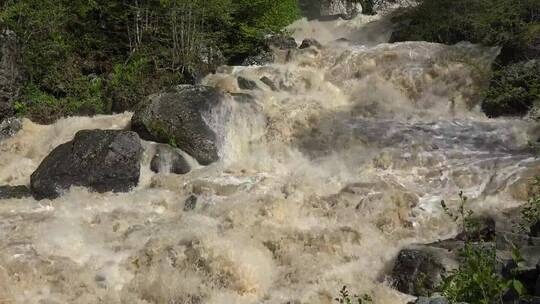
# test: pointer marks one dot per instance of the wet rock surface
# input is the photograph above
(417, 271)
(169, 160)
(306, 43)
(177, 117)
(103, 160)
(9, 127)
(17, 192)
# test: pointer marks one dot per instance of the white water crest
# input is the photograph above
(321, 182)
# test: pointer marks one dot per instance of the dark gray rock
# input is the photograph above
(7, 192)
(306, 43)
(243, 97)
(176, 117)
(267, 81)
(537, 285)
(169, 160)
(417, 271)
(483, 230)
(103, 160)
(190, 203)
(280, 41)
(535, 229)
(11, 75)
(246, 84)
(263, 58)
(9, 127)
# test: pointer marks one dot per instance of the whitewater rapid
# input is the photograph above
(322, 180)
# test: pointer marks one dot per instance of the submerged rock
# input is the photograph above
(263, 58)
(190, 203)
(8, 192)
(246, 84)
(169, 160)
(103, 160)
(9, 127)
(267, 81)
(306, 43)
(177, 116)
(280, 41)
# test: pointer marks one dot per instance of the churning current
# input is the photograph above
(323, 177)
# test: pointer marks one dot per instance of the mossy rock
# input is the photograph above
(179, 117)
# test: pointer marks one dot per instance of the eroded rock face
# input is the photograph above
(103, 160)
(11, 76)
(177, 117)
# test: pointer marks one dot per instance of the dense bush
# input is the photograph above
(512, 25)
(514, 90)
(88, 57)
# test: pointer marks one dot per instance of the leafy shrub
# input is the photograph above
(514, 89)
(88, 57)
(513, 25)
(476, 280)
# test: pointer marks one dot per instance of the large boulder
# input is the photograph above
(10, 72)
(103, 160)
(419, 270)
(177, 117)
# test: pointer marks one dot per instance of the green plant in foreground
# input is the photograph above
(346, 298)
(476, 280)
(462, 216)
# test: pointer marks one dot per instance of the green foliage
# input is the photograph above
(512, 25)
(462, 216)
(514, 89)
(476, 280)
(505, 23)
(345, 298)
(88, 57)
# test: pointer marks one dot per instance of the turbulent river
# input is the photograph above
(323, 179)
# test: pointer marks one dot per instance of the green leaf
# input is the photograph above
(518, 287)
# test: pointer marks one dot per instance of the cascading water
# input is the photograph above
(323, 179)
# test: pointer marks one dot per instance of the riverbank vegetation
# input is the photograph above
(512, 25)
(90, 57)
